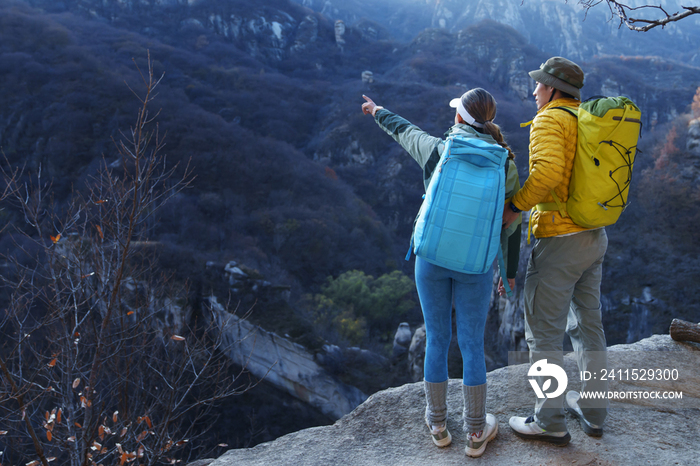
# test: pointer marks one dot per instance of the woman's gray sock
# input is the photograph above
(474, 413)
(436, 403)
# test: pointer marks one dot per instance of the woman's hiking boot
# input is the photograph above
(436, 412)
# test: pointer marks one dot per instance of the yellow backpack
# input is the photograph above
(608, 131)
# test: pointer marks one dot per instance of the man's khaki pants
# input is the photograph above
(562, 294)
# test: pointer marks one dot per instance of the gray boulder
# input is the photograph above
(402, 340)
(416, 354)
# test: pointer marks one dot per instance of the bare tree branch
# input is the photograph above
(661, 18)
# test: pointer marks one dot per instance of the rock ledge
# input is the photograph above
(388, 428)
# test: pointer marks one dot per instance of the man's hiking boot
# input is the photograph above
(572, 407)
(527, 428)
(476, 442)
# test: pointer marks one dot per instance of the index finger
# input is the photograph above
(367, 98)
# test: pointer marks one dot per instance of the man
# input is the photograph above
(562, 285)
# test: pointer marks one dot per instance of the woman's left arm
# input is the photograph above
(510, 239)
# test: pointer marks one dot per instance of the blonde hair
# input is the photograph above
(482, 106)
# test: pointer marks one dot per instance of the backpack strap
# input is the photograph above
(569, 110)
(413, 232)
(502, 270)
(556, 205)
(501, 260)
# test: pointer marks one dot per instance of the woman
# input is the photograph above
(439, 287)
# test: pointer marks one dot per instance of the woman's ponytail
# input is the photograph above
(481, 105)
(494, 130)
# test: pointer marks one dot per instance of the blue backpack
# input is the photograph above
(459, 224)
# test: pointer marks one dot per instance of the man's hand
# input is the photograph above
(502, 289)
(369, 107)
(509, 216)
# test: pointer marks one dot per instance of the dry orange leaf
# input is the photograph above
(55, 238)
(101, 432)
(76, 382)
(122, 460)
(47, 415)
(129, 313)
(34, 463)
(49, 435)
(78, 425)
(99, 230)
(3, 432)
(53, 362)
(142, 436)
(177, 338)
(223, 444)
(101, 201)
(167, 446)
(148, 422)
(58, 416)
(114, 416)
(71, 438)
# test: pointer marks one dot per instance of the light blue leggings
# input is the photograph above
(437, 287)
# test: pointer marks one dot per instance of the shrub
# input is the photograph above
(355, 297)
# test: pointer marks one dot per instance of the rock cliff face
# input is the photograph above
(558, 28)
(388, 429)
(402, 18)
(283, 363)
(564, 28)
(267, 31)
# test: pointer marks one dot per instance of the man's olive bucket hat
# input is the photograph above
(561, 74)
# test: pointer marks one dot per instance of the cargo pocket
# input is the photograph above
(530, 320)
(531, 292)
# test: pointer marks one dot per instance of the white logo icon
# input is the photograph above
(542, 369)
